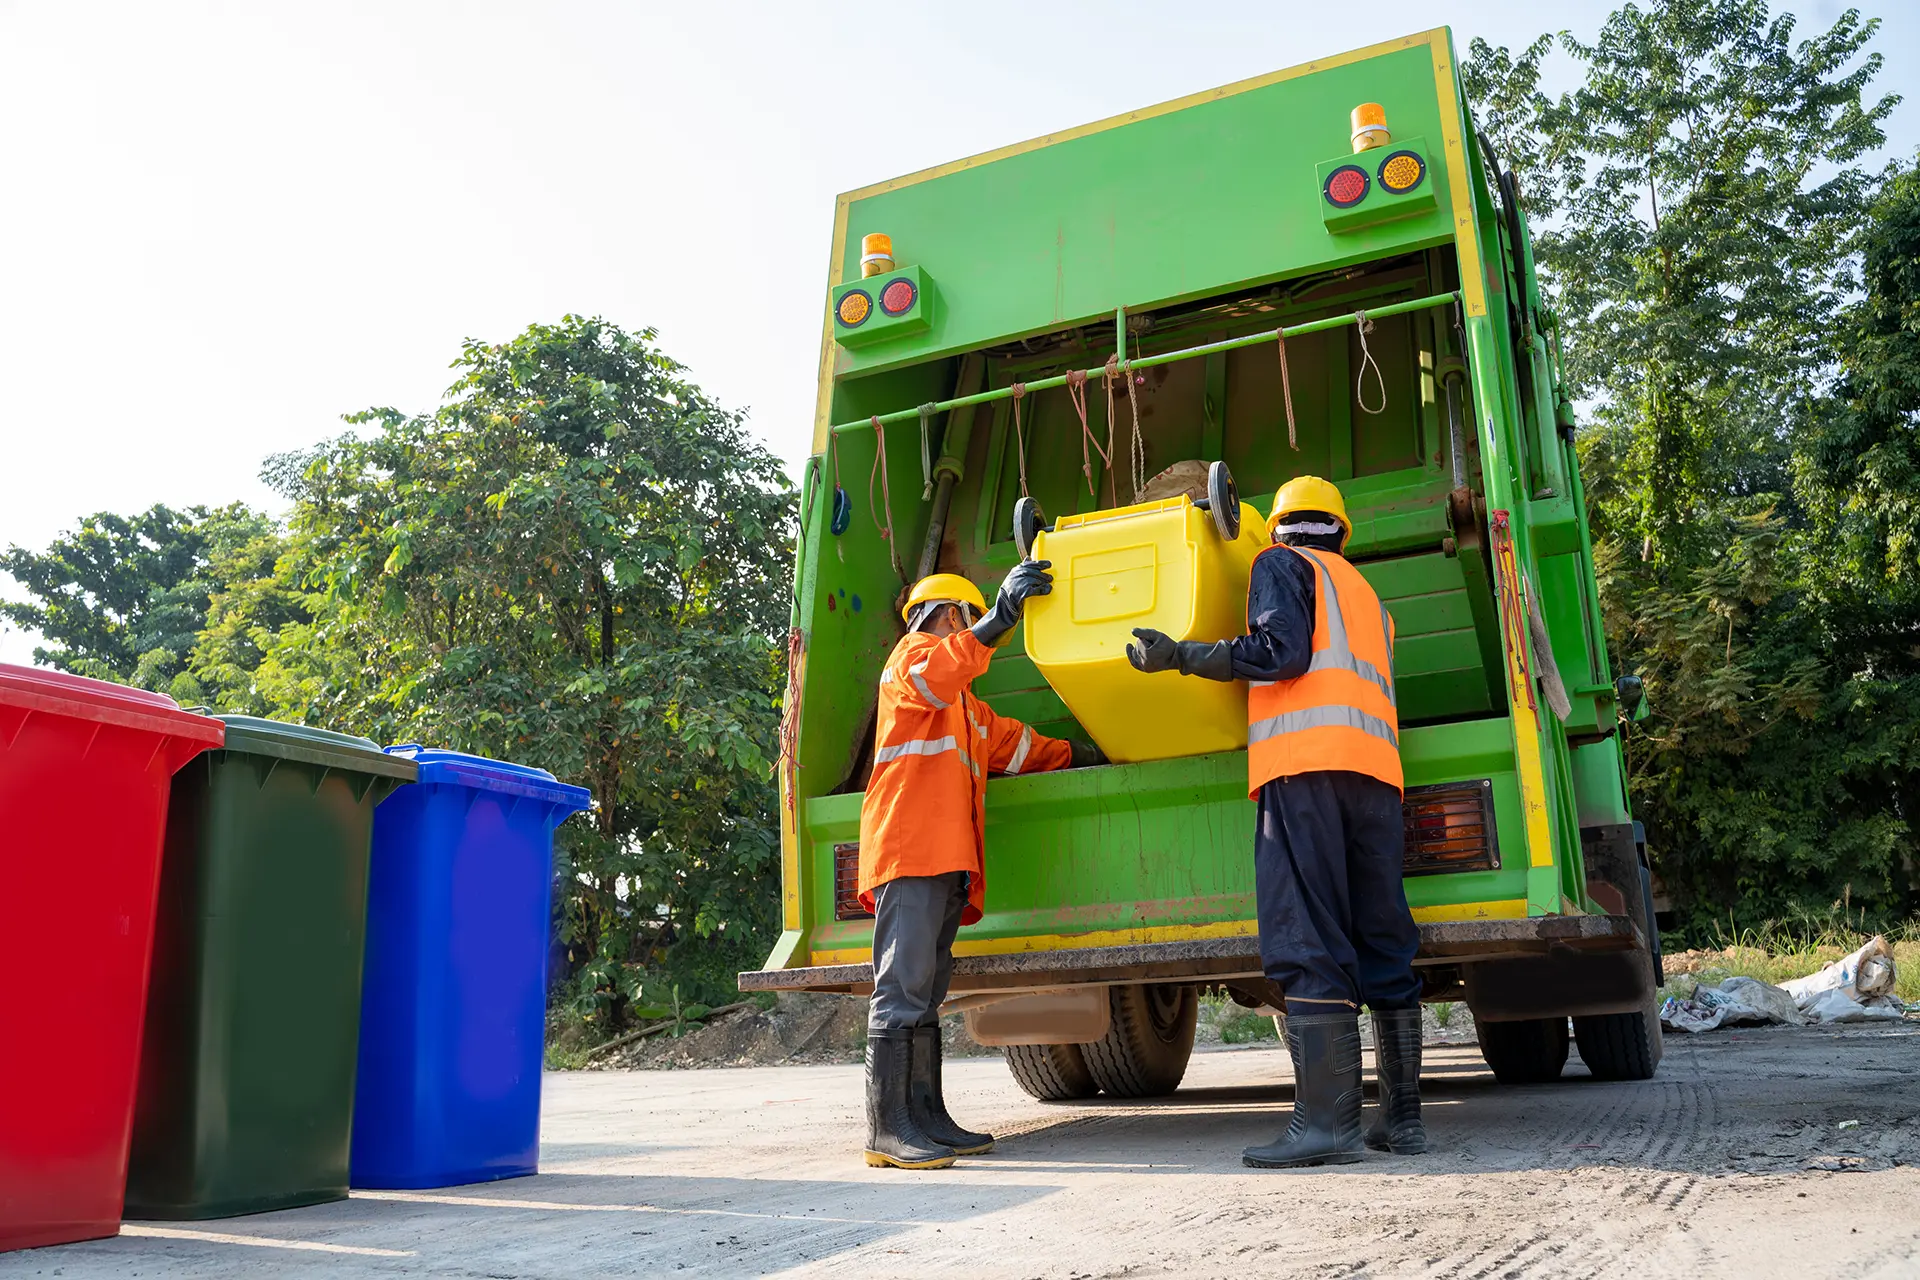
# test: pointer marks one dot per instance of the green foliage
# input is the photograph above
(579, 562)
(1243, 1026)
(125, 597)
(1701, 214)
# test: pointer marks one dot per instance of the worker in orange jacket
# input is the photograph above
(922, 869)
(1323, 760)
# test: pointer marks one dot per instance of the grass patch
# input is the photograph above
(1246, 1027)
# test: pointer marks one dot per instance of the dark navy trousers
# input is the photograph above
(1334, 923)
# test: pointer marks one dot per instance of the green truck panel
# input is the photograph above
(1197, 223)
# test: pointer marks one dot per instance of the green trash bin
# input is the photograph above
(253, 1010)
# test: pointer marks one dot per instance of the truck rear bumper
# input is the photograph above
(1446, 943)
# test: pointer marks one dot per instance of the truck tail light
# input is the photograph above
(1402, 171)
(898, 297)
(1450, 827)
(846, 884)
(1347, 186)
(855, 307)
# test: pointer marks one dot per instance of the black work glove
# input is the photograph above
(1157, 651)
(1028, 579)
(1085, 755)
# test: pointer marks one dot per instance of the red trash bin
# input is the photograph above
(84, 773)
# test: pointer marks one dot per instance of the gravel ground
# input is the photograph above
(1784, 1152)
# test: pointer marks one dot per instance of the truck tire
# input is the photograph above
(1531, 1051)
(1051, 1072)
(1620, 1046)
(1144, 1053)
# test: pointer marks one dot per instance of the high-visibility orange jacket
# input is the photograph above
(934, 745)
(1341, 714)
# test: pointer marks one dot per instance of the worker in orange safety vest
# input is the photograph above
(922, 868)
(1323, 761)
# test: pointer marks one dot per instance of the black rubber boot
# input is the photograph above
(892, 1136)
(1396, 1060)
(1325, 1128)
(930, 1104)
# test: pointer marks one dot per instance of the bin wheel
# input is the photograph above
(1144, 1053)
(1531, 1051)
(1051, 1072)
(1223, 500)
(1027, 524)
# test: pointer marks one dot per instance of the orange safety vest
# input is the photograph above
(1341, 714)
(925, 810)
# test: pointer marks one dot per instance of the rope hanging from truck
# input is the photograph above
(885, 526)
(1019, 389)
(1364, 325)
(1286, 391)
(1138, 451)
(790, 716)
(1077, 393)
(1113, 373)
(927, 411)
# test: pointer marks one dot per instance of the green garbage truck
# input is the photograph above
(1321, 271)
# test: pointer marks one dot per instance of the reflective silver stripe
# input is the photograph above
(920, 683)
(886, 677)
(1322, 718)
(1020, 752)
(1338, 655)
(917, 747)
(924, 747)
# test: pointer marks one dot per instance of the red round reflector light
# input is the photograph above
(1347, 186)
(897, 297)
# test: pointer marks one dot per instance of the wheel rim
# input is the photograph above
(1166, 1011)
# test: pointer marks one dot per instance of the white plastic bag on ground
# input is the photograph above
(1735, 1002)
(1835, 1005)
(1864, 980)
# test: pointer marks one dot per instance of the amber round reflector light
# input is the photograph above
(855, 307)
(1402, 171)
(1347, 186)
(897, 297)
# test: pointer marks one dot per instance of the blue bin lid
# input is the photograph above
(461, 769)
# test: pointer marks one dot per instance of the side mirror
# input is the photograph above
(1631, 693)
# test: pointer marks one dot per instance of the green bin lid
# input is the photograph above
(308, 745)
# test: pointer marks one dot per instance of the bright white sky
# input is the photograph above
(227, 224)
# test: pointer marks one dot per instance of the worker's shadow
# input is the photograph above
(1474, 1124)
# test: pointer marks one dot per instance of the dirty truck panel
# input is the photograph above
(1158, 253)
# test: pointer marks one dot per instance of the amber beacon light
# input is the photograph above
(876, 254)
(1370, 127)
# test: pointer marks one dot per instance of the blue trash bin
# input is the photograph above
(453, 1005)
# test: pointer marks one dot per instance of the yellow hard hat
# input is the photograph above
(943, 586)
(1309, 493)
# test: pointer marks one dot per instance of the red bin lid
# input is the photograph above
(57, 693)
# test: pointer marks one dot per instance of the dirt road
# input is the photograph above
(1733, 1162)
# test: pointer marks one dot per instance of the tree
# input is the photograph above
(579, 561)
(1699, 205)
(124, 597)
